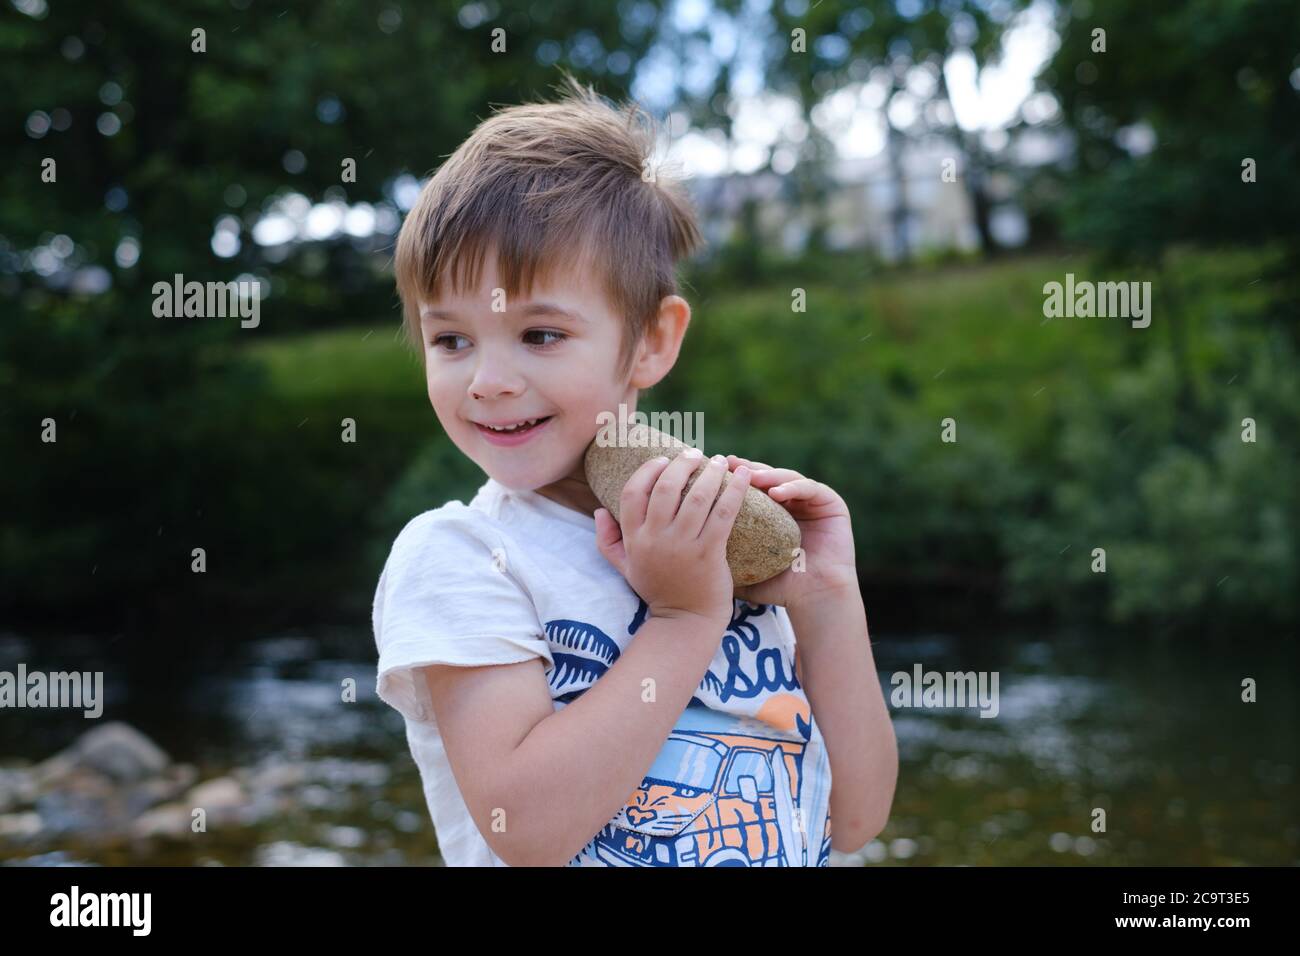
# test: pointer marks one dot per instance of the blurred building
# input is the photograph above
(867, 208)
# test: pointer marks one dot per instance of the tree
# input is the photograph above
(160, 119)
(1211, 86)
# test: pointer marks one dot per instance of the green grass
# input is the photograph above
(962, 334)
(370, 359)
(968, 342)
(853, 391)
(971, 342)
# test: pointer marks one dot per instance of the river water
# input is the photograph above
(1111, 751)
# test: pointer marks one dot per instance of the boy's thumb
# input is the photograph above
(609, 538)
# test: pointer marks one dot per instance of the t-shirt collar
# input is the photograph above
(542, 503)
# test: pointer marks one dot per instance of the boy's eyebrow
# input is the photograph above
(532, 309)
(548, 308)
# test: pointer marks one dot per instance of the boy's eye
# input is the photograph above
(560, 336)
(440, 338)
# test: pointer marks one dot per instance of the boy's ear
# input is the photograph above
(657, 353)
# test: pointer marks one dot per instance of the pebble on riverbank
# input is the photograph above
(115, 784)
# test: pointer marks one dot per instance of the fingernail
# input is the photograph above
(693, 453)
(719, 460)
(742, 472)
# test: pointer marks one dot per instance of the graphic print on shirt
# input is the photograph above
(727, 789)
(587, 652)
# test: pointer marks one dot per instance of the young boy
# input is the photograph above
(578, 692)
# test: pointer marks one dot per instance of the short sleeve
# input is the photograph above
(446, 596)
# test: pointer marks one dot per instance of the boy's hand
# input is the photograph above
(826, 536)
(673, 549)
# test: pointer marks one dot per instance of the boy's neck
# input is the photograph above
(572, 492)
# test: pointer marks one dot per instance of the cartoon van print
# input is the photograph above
(719, 796)
(735, 779)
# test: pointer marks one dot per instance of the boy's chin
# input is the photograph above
(526, 479)
(520, 482)
(518, 486)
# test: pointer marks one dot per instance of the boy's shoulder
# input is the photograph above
(452, 521)
(481, 519)
(492, 519)
(451, 513)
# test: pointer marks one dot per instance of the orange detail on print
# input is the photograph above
(780, 711)
(713, 798)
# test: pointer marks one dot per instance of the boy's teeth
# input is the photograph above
(515, 428)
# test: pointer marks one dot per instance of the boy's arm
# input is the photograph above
(838, 674)
(540, 783)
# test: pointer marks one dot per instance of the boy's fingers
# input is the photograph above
(796, 488)
(723, 516)
(666, 497)
(751, 465)
(693, 514)
(775, 476)
(763, 476)
(635, 499)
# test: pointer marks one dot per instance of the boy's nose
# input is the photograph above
(494, 383)
(488, 391)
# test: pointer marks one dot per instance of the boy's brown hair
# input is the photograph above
(554, 186)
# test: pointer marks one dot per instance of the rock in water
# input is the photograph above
(116, 749)
(764, 537)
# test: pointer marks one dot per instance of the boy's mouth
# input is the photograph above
(514, 435)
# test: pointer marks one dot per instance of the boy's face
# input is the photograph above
(530, 361)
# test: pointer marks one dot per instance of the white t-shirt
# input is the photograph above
(742, 780)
